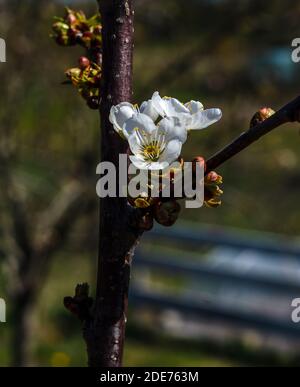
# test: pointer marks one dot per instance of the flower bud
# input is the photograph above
(212, 191)
(261, 116)
(97, 29)
(213, 203)
(73, 72)
(71, 18)
(93, 103)
(84, 62)
(213, 177)
(141, 203)
(200, 160)
(87, 35)
(60, 27)
(73, 35)
(166, 213)
(62, 40)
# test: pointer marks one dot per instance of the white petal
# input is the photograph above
(140, 122)
(153, 166)
(173, 128)
(138, 163)
(159, 104)
(168, 107)
(194, 106)
(173, 107)
(172, 151)
(205, 118)
(134, 142)
(158, 165)
(147, 107)
(120, 114)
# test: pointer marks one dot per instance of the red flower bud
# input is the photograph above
(212, 176)
(201, 161)
(87, 34)
(71, 18)
(84, 62)
(261, 116)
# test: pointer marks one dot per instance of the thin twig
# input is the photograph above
(288, 113)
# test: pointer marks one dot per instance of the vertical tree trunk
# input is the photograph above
(105, 333)
(21, 332)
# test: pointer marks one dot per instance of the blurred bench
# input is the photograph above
(248, 280)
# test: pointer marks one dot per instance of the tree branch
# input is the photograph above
(288, 113)
(117, 240)
(53, 228)
(14, 203)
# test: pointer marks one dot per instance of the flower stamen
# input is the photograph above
(152, 151)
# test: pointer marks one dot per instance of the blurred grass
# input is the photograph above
(138, 355)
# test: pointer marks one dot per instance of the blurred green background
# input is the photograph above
(227, 54)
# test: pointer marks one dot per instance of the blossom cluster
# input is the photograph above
(157, 129)
(86, 78)
(75, 28)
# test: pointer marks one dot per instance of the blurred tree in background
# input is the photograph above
(224, 53)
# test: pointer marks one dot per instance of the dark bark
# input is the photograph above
(23, 306)
(105, 333)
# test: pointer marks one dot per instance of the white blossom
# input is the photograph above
(192, 114)
(154, 146)
(156, 131)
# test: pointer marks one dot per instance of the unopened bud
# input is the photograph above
(213, 177)
(198, 160)
(73, 34)
(93, 103)
(71, 18)
(261, 116)
(166, 213)
(97, 29)
(213, 203)
(212, 191)
(60, 27)
(73, 72)
(87, 34)
(84, 62)
(62, 40)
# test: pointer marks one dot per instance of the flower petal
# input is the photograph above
(139, 122)
(158, 165)
(204, 118)
(147, 107)
(194, 106)
(154, 166)
(136, 141)
(159, 104)
(173, 128)
(174, 108)
(138, 162)
(172, 151)
(168, 107)
(120, 114)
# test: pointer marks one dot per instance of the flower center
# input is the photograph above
(152, 151)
